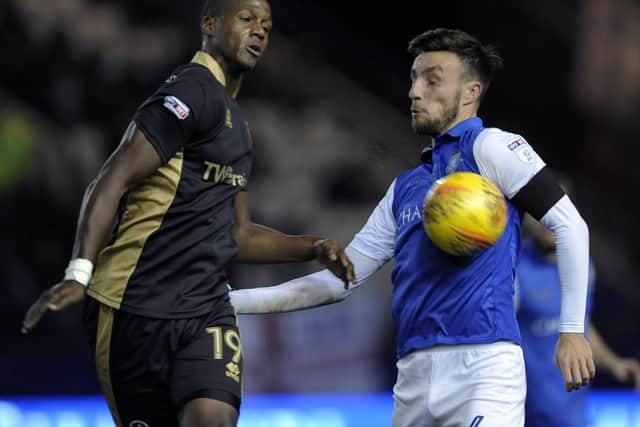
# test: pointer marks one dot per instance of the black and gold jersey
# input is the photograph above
(174, 234)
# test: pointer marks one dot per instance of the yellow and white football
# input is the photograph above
(464, 213)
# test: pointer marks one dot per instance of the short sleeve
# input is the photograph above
(506, 159)
(170, 118)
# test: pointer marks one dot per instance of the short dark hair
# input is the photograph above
(482, 61)
(214, 8)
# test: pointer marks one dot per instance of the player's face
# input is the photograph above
(244, 32)
(436, 88)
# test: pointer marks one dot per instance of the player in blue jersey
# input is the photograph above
(162, 221)
(538, 308)
(458, 346)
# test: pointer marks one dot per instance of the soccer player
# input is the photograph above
(538, 304)
(459, 358)
(166, 214)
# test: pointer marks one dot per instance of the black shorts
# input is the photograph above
(150, 368)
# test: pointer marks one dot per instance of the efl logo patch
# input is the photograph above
(525, 154)
(518, 143)
(177, 107)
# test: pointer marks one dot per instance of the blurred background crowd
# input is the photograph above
(328, 110)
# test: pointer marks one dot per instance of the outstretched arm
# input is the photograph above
(133, 160)
(370, 249)
(309, 291)
(260, 244)
(624, 369)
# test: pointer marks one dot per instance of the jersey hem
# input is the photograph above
(150, 313)
(420, 344)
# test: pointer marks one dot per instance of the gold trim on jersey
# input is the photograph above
(103, 349)
(203, 58)
(146, 208)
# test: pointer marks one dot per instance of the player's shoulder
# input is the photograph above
(498, 143)
(406, 176)
(192, 77)
(496, 137)
(191, 87)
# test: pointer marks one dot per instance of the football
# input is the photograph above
(464, 213)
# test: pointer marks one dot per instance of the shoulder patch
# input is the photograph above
(517, 143)
(525, 154)
(177, 107)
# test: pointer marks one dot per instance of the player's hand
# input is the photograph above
(330, 253)
(627, 369)
(574, 358)
(55, 298)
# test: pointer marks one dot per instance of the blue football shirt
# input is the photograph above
(439, 299)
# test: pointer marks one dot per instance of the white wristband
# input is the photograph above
(79, 270)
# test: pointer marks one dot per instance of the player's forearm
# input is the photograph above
(572, 249)
(260, 244)
(310, 291)
(96, 217)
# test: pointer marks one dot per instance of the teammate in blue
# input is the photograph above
(458, 346)
(166, 215)
(538, 308)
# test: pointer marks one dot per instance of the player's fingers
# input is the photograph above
(58, 296)
(35, 313)
(344, 260)
(348, 267)
(566, 374)
(575, 373)
(69, 293)
(584, 372)
(591, 367)
(61, 303)
(351, 275)
(58, 292)
(31, 320)
(331, 249)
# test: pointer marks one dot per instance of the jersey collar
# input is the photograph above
(458, 130)
(203, 58)
(452, 134)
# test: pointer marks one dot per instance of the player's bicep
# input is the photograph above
(510, 162)
(539, 195)
(134, 160)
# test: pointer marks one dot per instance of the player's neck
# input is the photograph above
(233, 84)
(233, 78)
(461, 117)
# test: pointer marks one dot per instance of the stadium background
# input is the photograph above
(329, 114)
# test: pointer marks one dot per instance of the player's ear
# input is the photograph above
(471, 92)
(209, 25)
